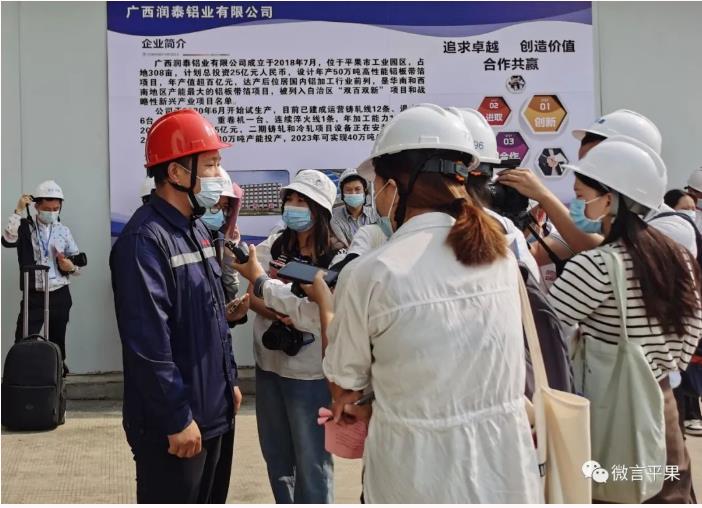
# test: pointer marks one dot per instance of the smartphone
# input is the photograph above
(305, 274)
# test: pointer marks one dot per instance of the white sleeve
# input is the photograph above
(10, 231)
(277, 295)
(367, 239)
(303, 313)
(347, 361)
(71, 245)
(263, 251)
(677, 229)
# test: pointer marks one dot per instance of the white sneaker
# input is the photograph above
(693, 427)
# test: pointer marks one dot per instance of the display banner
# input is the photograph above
(308, 85)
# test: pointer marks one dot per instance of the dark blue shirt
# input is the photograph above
(176, 347)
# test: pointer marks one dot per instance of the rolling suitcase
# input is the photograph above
(33, 395)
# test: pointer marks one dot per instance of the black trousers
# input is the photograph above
(60, 303)
(164, 478)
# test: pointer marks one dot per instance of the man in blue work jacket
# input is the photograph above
(180, 377)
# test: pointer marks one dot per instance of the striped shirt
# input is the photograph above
(583, 295)
(344, 226)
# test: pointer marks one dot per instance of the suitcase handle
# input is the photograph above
(34, 336)
(26, 269)
(35, 268)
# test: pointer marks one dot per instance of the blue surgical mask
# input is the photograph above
(48, 217)
(354, 200)
(583, 222)
(385, 223)
(213, 221)
(211, 188)
(297, 218)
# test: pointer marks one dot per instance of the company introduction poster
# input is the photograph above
(297, 85)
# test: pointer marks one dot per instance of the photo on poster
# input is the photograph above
(551, 162)
(261, 190)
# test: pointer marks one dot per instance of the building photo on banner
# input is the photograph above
(285, 86)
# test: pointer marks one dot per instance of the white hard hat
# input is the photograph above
(351, 173)
(228, 188)
(626, 123)
(48, 190)
(147, 186)
(628, 167)
(695, 180)
(424, 126)
(315, 185)
(484, 138)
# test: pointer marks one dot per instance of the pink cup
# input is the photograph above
(345, 441)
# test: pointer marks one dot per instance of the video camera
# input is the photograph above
(79, 259)
(503, 199)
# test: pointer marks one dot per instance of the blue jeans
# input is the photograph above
(299, 468)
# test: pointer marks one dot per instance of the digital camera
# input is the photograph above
(280, 337)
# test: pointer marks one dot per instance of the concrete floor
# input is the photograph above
(87, 460)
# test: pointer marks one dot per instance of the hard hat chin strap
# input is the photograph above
(198, 209)
(404, 195)
(432, 164)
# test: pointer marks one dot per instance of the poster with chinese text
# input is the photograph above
(308, 85)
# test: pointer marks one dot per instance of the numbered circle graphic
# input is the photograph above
(545, 114)
(551, 162)
(511, 145)
(495, 110)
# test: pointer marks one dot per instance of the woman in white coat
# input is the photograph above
(290, 385)
(432, 320)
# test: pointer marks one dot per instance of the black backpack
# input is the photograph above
(552, 338)
(33, 389)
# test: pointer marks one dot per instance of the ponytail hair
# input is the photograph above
(476, 238)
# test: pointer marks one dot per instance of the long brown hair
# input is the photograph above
(667, 273)
(324, 246)
(475, 237)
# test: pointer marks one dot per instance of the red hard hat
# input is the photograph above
(180, 133)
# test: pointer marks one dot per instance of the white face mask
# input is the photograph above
(48, 217)
(211, 188)
(690, 213)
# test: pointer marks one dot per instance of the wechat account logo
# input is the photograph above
(593, 469)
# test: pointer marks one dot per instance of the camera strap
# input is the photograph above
(560, 263)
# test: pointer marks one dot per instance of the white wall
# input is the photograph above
(54, 125)
(650, 62)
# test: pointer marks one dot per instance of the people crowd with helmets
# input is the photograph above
(43, 239)
(421, 340)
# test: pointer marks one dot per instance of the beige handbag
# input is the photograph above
(562, 427)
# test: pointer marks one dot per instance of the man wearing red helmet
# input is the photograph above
(180, 393)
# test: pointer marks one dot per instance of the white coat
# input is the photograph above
(442, 345)
(307, 364)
